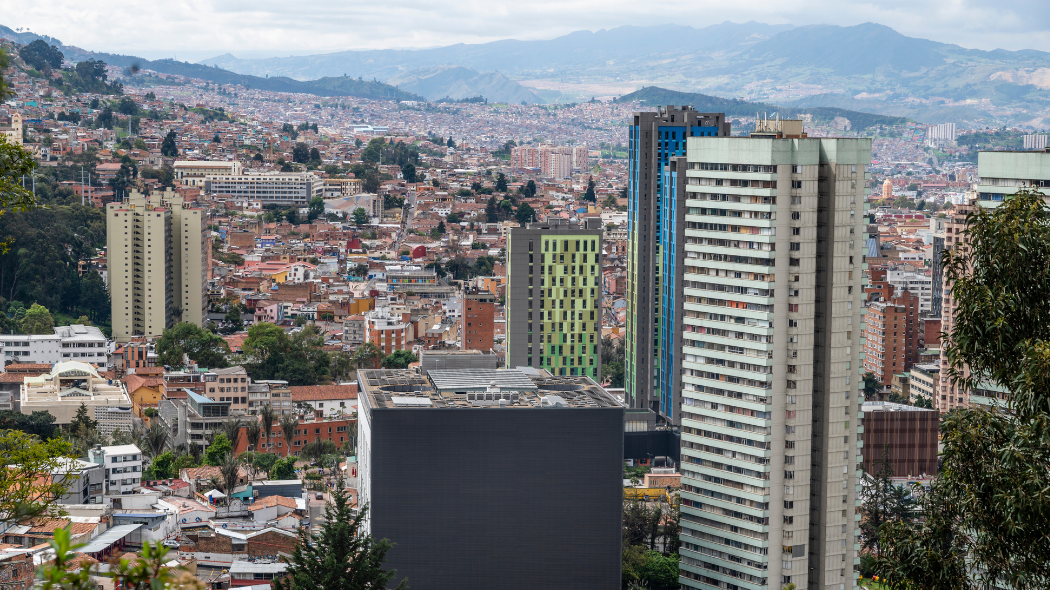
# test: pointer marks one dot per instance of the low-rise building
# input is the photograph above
(267, 188)
(71, 385)
(123, 467)
(81, 343)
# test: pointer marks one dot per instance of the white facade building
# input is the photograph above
(81, 343)
(123, 465)
(919, 284)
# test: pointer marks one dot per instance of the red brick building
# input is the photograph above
(477, 329)
(337, 431)
(892, 334)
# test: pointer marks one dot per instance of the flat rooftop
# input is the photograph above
(480, 388)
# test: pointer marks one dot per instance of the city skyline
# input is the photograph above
(217, 27)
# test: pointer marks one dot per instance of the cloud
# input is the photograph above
(194, 29)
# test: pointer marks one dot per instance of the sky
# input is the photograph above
(192, 30)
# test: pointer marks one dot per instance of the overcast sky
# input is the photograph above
(196, 29)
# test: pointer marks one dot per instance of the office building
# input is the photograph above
(554, 296)
(530, 495)
(906, 434)
(157, 249)
(76, 342)
(72, 384)
(653, 138)
(891, 335)
(918, 283)
(386, 330)
(478, 324)
(764, 239)
(194, 173)
(267, 188)
(924, 380)
(1001, 174)
(123, 465)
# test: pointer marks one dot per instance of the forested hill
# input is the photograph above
(331, 86)
(734, 107)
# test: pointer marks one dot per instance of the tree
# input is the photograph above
(316, 208)
(872, 387)
(272, 354)
(882, 502)
(23, 493)
(589, 195)
(315, 155)
(162, 467)
(438, 231)
(288, 424)
(218, 450)
(524, 214)
(168, 148)
(368, 356)
(267, 416)
(530, 189)
(300, 153)
(38, 320)
(609, 202)
(201, 346)
(265, 462)
(450, 143)
(370, 183)
(39, 423)
(982, 517)
(360, 216)
(342, 366)
(41, 56)
(233, 320)
(342, 556)
(501, 183)
(453, 218)
(399, 359)
(491, 214)
(229, 471)
(154, 438)
(283, 468)
(408, 171)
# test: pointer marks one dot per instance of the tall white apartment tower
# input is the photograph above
(765, 238)
(156, 250)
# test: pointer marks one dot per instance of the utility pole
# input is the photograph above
(81, 186)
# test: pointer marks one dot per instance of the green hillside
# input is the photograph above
(733, 107)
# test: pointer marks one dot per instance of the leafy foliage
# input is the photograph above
(201, 346)
(983, 518)
(218, 450)
(399, 359)
(272, 354)
(24, 457)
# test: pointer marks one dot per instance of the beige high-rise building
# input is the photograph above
(156, 248)
(760, 354)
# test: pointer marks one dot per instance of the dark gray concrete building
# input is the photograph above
(486, 478)
(554, 297)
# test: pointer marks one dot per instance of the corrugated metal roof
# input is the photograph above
(108, 538)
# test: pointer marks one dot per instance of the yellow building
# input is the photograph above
(145, 392)
(156, 249)
(14, 132)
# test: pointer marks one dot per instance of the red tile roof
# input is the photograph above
(310, 393)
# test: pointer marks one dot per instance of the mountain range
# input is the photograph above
(867, 67)
(863, 68)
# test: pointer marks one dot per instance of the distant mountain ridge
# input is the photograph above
(653, 96)
(328, 86)
(457, 83)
